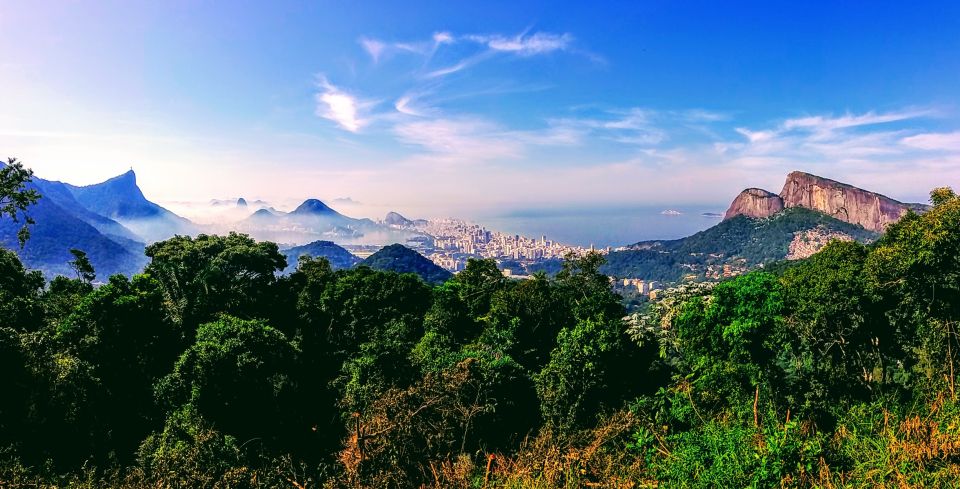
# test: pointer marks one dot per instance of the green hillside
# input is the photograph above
(737, 240)
(400, 259)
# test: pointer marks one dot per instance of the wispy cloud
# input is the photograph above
(525, 44)
(373, 47)
(339, 106)
(948, 141)
(464, 140)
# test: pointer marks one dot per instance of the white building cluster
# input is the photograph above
(456, 241)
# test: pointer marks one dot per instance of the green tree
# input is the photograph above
(209, 275)
(15, 197)
(727, 344)
(914, 270)
(238, 375)
(838, 341)
(20, 294)
(526, 319)
(122, 332)
(479, 281)
(82, 267)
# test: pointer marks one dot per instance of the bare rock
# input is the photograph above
(756, 203)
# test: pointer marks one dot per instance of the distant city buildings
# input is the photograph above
(457, 241)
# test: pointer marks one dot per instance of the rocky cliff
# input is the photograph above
(844, 202)
(755, 202)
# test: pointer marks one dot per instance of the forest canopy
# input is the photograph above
(211, 368)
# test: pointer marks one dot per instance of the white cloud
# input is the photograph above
(373, 47)
(756, 136)
(464, 140)
(821, 123)
(470, 139)
(449, 70)
(339, 106)
(523, 44)
(949, 141)
(407, 105)
(443, 38)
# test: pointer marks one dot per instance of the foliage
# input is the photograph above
(16, 197)
(214, 370)
(209, 275)
(82, 266)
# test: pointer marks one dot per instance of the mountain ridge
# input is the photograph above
(854, 205)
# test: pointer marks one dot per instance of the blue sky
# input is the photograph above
(442, 107)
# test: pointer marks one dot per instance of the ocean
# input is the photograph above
(603, 226)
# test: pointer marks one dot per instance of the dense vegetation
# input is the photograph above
(740, 239)
(211, 369)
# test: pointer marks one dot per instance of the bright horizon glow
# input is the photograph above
(434, 109)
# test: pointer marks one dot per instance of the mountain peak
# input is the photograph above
(128, 176)
(836, 199)
(398, 258)
(395, 219)
(313, 206)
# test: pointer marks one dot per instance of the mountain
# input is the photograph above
(395, 219)
(337, 256)
(762, 227)
(400, 259)
(121, 200)
(61, 226)
(740, 241)
(314, 220)
(60, 194)
(842, 201)
(314, 207)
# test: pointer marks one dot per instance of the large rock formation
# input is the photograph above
(755, 202)
(839, 200)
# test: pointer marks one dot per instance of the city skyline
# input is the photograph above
(459, 109)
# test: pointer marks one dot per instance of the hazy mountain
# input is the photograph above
(61, 195)
(337, 256)
(120, 199)
(400, 259)
(58, 229)
(395, 219)
(313, 220)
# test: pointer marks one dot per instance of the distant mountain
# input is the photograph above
(741, 240)
(395, 219)
(121, 200)
(314, 207)
(337, 256)
(61, 195)
(762, 227)
(313, 220)
(840, 200)
(400, 259)
(61, 226)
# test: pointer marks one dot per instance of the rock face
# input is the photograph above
(755, 202)
(844, 202)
